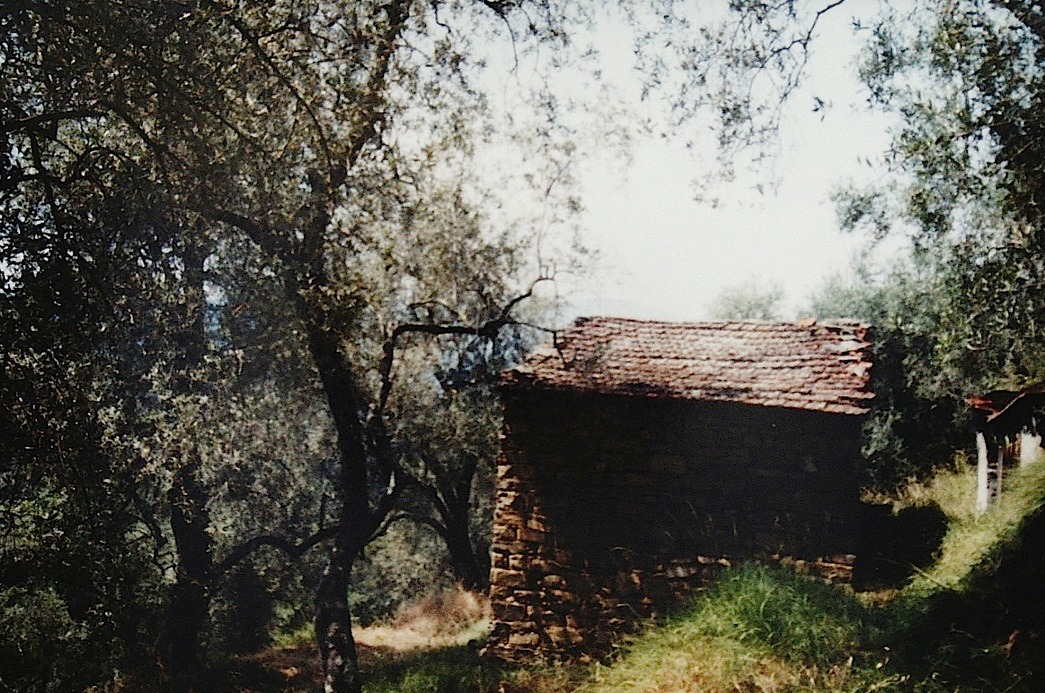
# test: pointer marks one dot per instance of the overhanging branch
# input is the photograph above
(486, 330)
(291, 548)
(49, 119)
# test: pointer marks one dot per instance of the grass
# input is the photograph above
(758, 628)
(972, 621)
(952, 488)
(970, 540)
(952, 627)
(454, 669)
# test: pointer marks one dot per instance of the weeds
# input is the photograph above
(970, 622)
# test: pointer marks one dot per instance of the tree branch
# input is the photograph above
(292, 549)
(47, 119)
(486, 330)
(257, 231)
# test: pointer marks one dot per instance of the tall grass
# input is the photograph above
(758, 628)
(767, 629)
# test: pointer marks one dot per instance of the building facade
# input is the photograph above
(638, 457)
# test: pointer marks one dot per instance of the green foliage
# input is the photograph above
(748, 301)
(407, 562)
(75, 546)
(213, 216)
(939, 337)
(973, 543)
(42, 647)
(918, 414)
(963, 81)
(962, 623)
(967, 79)
(968, 623)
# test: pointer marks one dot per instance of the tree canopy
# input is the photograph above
(247, 248)
(184, 182)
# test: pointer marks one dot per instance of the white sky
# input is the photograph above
(666, 256)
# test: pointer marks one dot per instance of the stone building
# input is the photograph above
(638, 456)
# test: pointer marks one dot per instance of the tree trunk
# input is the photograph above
(467, 566)
(337, 647)
(190, 599)
(189, 518)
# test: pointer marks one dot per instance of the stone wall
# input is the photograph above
(609, 509)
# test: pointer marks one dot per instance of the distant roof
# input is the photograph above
(1007, 411)
(800, 365)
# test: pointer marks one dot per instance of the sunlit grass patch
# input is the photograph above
(970, 540)
(448, 619)
(675, 659)
(299, 637)
(952, 488)
(758, 628)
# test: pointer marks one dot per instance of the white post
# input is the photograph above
(982, 493)
(995, 474)
(1030, 448)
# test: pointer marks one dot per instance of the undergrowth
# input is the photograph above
(974, 620)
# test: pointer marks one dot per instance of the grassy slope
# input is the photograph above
(973, 621)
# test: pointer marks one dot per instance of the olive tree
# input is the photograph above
(288, 129)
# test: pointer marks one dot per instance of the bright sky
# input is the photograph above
(666, 256)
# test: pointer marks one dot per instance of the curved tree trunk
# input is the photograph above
(468, 567)
(359, 516)
(180, 652)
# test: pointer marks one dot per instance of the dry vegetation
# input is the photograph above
(450, 619)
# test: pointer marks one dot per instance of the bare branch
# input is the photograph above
(384, 504)
(487, 330)
(292, 549)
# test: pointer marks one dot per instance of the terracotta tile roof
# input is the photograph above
(802, 365)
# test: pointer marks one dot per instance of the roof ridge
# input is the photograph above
(798, 322)
(799, 364)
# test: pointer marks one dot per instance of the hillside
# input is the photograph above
(972, 621)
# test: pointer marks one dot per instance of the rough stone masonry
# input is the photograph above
(640, 457)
